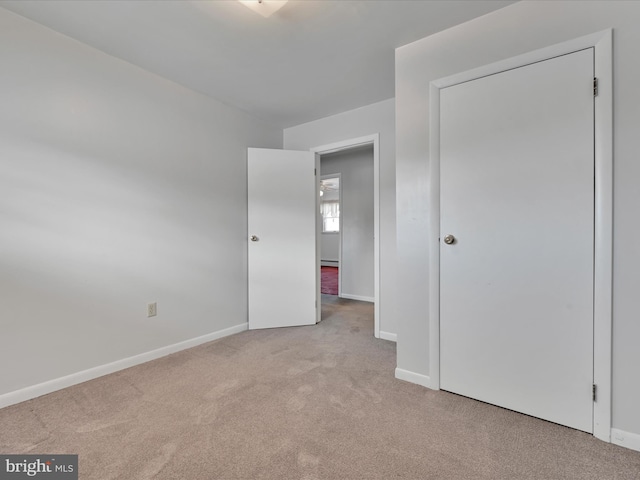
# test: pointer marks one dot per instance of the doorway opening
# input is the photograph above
(349, 222)
(330, 233)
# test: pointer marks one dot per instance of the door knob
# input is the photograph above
(254, 238)
(449, 239)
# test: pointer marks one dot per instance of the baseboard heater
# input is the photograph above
(329, 263)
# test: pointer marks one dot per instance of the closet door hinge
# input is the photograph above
(594, 390)
(595, 87)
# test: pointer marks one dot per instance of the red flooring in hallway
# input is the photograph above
(329, 280)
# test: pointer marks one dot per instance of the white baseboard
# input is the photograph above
(362, 298)
(413, 377)
(49, 386)
(625, 439)
(392, 337)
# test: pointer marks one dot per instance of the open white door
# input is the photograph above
(284, 287)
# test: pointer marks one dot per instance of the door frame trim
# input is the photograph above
(373, 139)
(602, 42)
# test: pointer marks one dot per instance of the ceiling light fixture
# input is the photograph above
(266, 8)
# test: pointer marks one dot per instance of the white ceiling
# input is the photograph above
(309, 60)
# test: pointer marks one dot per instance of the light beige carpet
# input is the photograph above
(296, 403)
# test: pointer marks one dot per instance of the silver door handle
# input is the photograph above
(254, 238)
(449, 239)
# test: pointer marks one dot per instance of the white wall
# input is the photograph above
(330, 241)
(117, 188)
(330, 248)
(376, 118)
(517, 29)
(356, 209)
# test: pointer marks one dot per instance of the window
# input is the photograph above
(330, 216)
(330, 204)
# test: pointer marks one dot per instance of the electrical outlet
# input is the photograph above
(152, 309)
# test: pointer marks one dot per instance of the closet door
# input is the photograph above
(517, 239)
